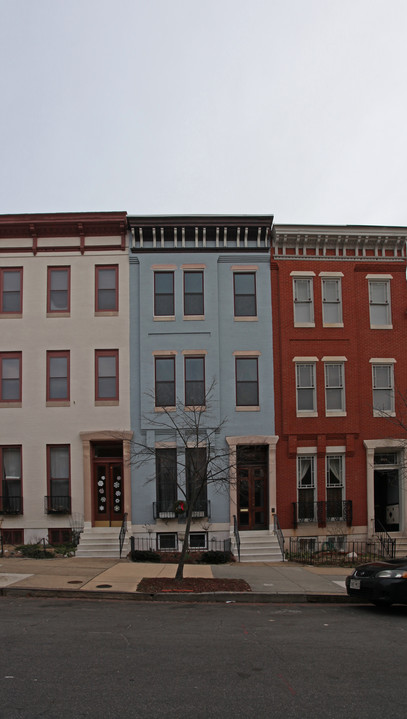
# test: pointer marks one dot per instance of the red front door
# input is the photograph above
(108, 492)
(252, 497)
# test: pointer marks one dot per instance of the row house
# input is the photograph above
(64, 374)
(339, 318)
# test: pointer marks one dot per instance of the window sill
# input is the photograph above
(381, 327)
(194, 317)
(10, 405)
(248, 408)
(304, 324)
(335, 413)
(11, 316)
(164, 318)
(106, 402)
(332, 324)
(170, 408)
(58, 403)
(383, 413)
(194, 408)
(58, 314)
(106, 313)
(304, 413)
(247, 318)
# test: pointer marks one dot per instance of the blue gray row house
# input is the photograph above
(200, 317)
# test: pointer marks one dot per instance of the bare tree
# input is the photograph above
(200, 460)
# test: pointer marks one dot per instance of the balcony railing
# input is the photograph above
(166, 510)
(57, 504)
(11, 505)
(322, 512)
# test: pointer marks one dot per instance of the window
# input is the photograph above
(193, 294)
(10, 375)
(11, 290)
(59, 280)
(198, 540)
(196, 463)
(60, 536)
(247, 382)
(334, 387)
(107, 375)
(58, 480)
(379, 303)
(303, 301)
(194, 381)
(167, 541)
(334, 487)
(13, 536)
(11, 480)
(383, 389)
(306, 394)
(164, 294)
(106, 289)
(306, 488)
(245, 294)
(166, 482)
(331, 301)
(57, 376)
(165, 381)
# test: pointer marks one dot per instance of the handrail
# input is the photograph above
(122, 533)
(237, 536)
(387, 542)
(280, 535)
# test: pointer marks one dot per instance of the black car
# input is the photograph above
(383, 583)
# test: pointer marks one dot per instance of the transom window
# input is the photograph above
(306, 393)
(58, 299)
(165, 381)
(164, 294)
(245, 294)
(247, 382)
(334, 387)
(194, 381)
(332, 301)
(11, 285)
(379, 303)
(303, 300)
(193, 293)
(107, 297)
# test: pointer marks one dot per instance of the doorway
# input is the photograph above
(108, 499)
(386, 492)
(252, 487)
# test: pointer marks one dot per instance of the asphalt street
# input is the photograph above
(63, 658)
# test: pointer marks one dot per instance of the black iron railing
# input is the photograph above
(151, 543)
(336, 550)
(57, 504)
(122, 533)
(11, 505)
(387, 543)
(166, 510)
(279, 534)
(237, 536)
(322, 512)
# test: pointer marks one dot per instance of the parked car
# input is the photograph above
(382, 583)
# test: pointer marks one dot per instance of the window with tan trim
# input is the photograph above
(58, 370)
(10, 377)
(59, 290)
(106, 375)
(11, 290)
(106, 288)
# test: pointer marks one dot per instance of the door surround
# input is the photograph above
(371, 445)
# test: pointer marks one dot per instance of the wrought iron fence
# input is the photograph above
(341, 551)
(122, 533)
(322, 512)
(279, 534)
(11, 505)
(167, 510)
(150, 544)
(57, 505)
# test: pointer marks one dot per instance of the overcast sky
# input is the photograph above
(295, 108)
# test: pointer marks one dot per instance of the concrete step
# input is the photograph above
(102, 542)
(258, 547)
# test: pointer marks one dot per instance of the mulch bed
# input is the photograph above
(191, 584)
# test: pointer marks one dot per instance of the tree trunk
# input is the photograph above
(180, 568)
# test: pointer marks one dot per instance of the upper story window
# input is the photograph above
(106, 288)
(193, 293)
(334, 487)
(247, 382)
(58, 296)
(306, 391)
(303, 301)
(11, 486)
(166, 481)
(10, 377)
(334, 387)
(244, 284)
(107, 376)
(11, 290)
(164, 294)
(379, 303)
(165, 381)
(331, 301)
(194, 381)
(306, 487)
(58, 479)
(383, 388)
(58, 376)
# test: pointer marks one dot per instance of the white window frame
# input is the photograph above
(339, 485)
(301, 304)
(329, 303)
(337, 411)
(376, 364)
(376, 302)
(300, 362)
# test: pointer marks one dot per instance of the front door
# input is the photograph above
(252, 497)
(108, 492)
(386, 500)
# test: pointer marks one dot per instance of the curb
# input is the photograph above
(204, 597)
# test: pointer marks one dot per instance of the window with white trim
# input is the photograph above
(306, 391)
(334, 487)
(383, 388)
(331, 301)
(379, 303)
(306, 488)
(334, 387)
(303, 300)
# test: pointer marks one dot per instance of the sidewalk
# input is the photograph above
(91, 578)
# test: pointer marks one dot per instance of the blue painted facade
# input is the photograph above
(220, 248)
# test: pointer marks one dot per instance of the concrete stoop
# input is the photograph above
(258, 546)
(401, 544)
(102, 542)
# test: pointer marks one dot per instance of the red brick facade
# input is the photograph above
(339, 319)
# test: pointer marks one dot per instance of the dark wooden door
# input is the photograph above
(252, 497)
(108, 493)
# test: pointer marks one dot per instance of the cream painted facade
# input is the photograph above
(34, 423)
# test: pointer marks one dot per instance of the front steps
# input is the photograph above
(258, 546)
(102, 542)
(401, 544)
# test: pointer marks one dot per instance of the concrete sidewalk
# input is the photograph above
(94, 577)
